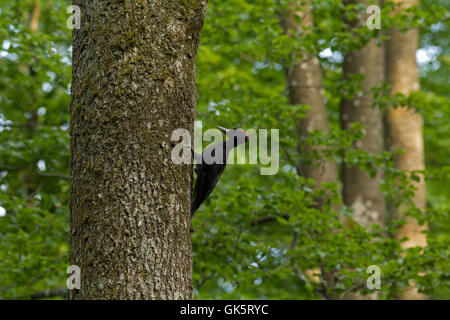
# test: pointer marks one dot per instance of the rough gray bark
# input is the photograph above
(360, 191)
(133, 84)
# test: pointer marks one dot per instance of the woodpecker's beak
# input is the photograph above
(224, 130)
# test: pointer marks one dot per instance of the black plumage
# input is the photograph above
(209, 174)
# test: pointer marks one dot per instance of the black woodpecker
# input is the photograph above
(208, 172)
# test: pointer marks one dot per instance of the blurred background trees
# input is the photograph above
(298, 234)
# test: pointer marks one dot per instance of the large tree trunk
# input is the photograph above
(133, 84)
(405, 128)
(360, 191)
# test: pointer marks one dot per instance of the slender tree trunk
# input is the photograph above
(304, 82)
(133, 84)
(35, 15)
(360, 191)
(29, 179)
(405, 128)
(34, 25)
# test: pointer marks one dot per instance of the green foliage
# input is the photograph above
(256, 236)
(34, 147)
(243, 239)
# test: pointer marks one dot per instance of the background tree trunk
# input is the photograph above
(304, 83)
(35, 15)
(133, 84)
(360, 191)
(405, 128)
(29, 179)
